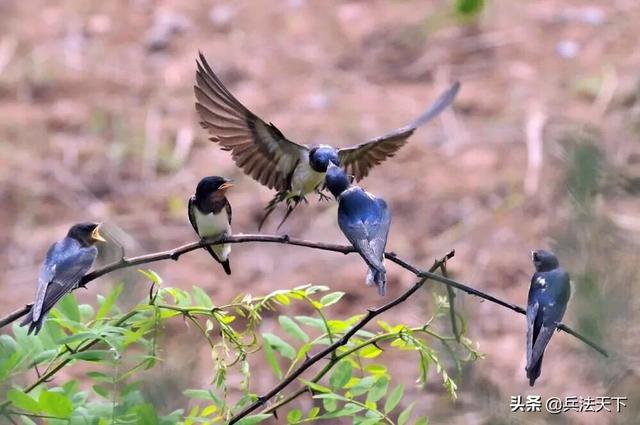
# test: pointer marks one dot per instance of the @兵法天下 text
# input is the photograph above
(556, 405)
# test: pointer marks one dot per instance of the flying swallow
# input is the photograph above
(364, 220)
(293, 169)
(66, 262)
(210, 216)
(548, 297)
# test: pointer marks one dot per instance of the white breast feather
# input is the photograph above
(305, 179)
(214, 225)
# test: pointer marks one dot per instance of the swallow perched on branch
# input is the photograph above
(548, 298)
(210, 216)
(364, 220)
(66, 262)
(293, 169)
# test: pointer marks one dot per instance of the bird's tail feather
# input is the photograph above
(280, 196)
(534, 372)
(33, 326)
(225, 263)
(377, 276)
(292, 203)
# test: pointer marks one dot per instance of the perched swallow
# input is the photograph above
(67, 261)
(210, 216)
(548, 297)
(265, 154)
(364, 220)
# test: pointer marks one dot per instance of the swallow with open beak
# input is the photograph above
(294, 170)
(548, 298)
(65, 264)
(210, 216)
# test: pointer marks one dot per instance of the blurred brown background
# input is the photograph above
(540, 150)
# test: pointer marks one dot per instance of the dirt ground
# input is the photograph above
(97, 122)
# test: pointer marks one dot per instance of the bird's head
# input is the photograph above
(212, 187)
(321, 156)
(86, 233)
(337, 180)
(544, 260)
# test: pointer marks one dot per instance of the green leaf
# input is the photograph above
(292, 329)
(93, 355)
(86, 312)
(379, 389)
(146, 415)
(152, 276)
(347, 410)
(101, 391)
(363, 385)
(403, 418)
(312, 322)
(341, 375)
(331, 298)
(201, 297)
(394, 398)
(198, 394)
(68, 306)
(370, 352)
(371, 421)
(313, 412)
(315, 386)
(254, 419)
(23, 401)
(271, 359)
(107, 304)
(294, 416)
(469, 8)
(279, 345)
(423, 420)
(99, 376)
(55, 404)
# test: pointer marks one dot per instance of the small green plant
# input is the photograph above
(119, 346)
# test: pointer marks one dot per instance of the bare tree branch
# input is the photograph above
(174, 254)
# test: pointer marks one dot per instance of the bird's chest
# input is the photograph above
(305, 179)
(212, 224)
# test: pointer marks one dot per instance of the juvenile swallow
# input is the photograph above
(67, 261)
(210, 216)
(293, 169)
(548, 297)
(364, 220)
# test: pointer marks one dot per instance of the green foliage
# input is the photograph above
(468, 9)
(117, 347)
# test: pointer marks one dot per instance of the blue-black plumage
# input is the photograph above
(364, 220)
(294, 170)
(548, 298)
(210, 215)
(66, 262)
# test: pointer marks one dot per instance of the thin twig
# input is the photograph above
(174, 254)
(452, 308)
(371, 313)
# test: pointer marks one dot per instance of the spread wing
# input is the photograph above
(358, 160)
(63, 276)
(260, 149)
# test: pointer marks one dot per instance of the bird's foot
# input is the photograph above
(322, 197)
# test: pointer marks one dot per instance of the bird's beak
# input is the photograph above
(96, 236)
(533, 256)
(226, 185)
